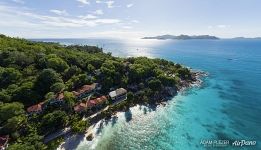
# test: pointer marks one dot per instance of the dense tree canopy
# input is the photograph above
(26, 94)
(57, 87)
(54, 120)
(78, 81)
(33, 72)
(46, 79)
(12, 117)
(9, 110)
(70, 100)
(8, 76)
(57, 64)
(155, 84)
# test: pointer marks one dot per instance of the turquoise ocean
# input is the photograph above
(227, 106)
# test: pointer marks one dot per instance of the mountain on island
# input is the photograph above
(183, 37)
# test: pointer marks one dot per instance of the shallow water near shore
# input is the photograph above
(225, 107)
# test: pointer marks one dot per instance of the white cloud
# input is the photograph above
(84, 2)
(110, 4)
(23, 22)
(24, 16)
(107, 21)
(98, 12)
(129, 5)
(19, 1)
(59, 12)
(223, 26)
(134, 21)
(89, 16)
(127, 27)
(72, 22)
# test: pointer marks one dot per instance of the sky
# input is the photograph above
(129, 18)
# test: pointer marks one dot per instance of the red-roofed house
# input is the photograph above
(91, 103)
(101, 99)
(38, 108)
(85, 90)
(94, 103)
(80, 107)
(4, 142)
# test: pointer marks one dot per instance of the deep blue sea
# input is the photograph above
(226, 107)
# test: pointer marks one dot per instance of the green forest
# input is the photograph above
(33, 72)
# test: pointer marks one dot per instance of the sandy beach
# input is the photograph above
(73, 141)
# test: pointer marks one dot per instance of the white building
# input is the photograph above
(118, 95)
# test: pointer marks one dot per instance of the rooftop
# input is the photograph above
(84, 89)
(35, 108)
(117, 92)
(80, 107)
(96, 101)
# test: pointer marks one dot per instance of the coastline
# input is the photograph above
(82, 83)
(90, 134)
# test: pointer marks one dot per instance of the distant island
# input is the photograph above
(183, 37)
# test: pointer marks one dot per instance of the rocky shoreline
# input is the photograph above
(195, 82)
(196, 78)
(167, 94)
(160, 99)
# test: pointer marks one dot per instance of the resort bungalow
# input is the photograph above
(85, 91)
(91, 104)
(118, 95)
(35, 109)
(97, 102)
(4, 142)
(80, 107)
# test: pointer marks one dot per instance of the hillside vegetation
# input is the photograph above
(32, 72)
